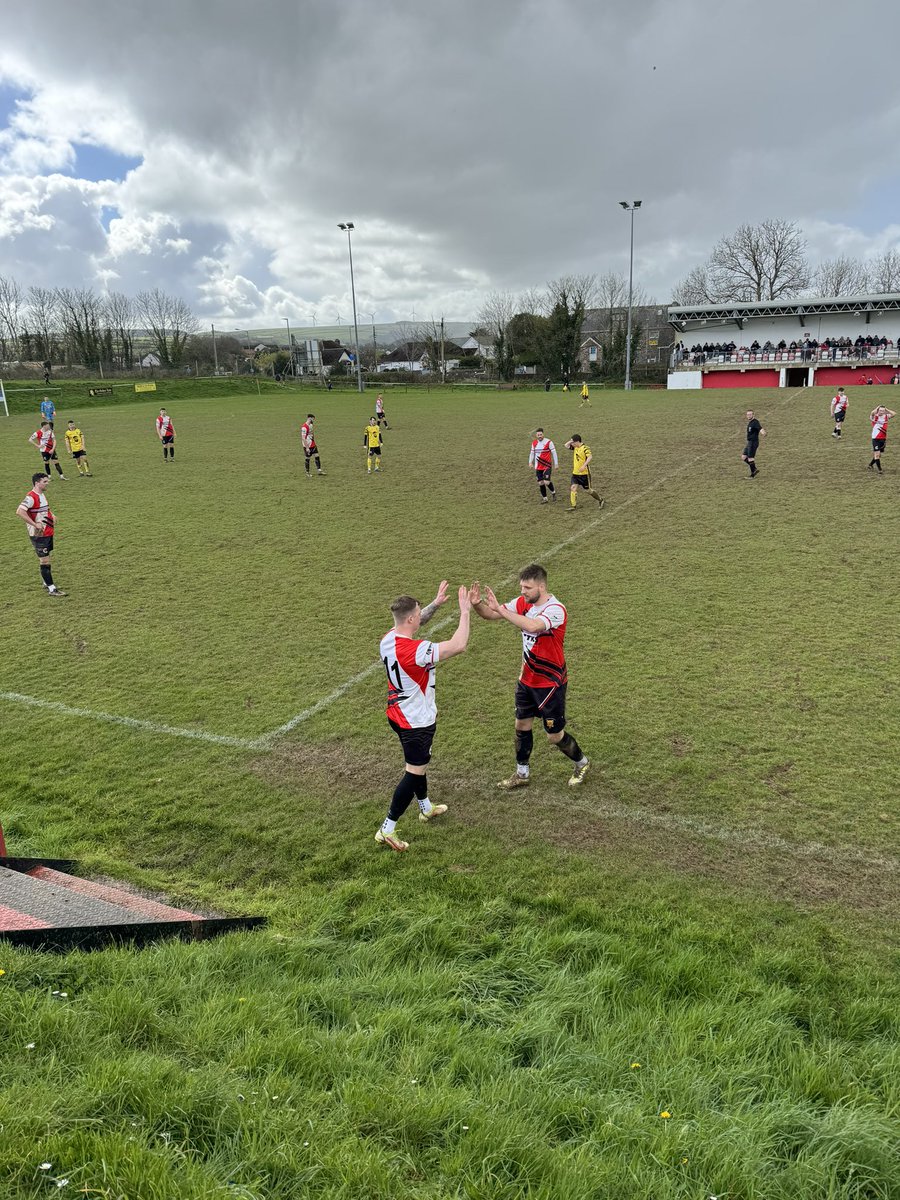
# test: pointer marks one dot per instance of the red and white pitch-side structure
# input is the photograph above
(767, 323)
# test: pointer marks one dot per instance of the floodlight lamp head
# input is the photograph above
(341, 225)
(636, 203)
(624, 203)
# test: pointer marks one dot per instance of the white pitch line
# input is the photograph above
(754, 838)
(67, 710)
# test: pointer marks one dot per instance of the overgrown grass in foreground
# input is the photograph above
(440, 1033)
(529, 950)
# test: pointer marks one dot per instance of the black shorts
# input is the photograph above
(313, 450)
(168, 439)
(839, 416)
(416, 743)
(878, 444)
(374, 450)
(750, 449)
(380, 416)
(49, 457)
(76, 454)
(542, 474)
(548, 703)
(581, 481)
(43, 546)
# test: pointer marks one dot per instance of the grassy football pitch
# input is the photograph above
(678, 980)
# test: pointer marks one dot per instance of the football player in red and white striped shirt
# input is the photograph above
(543, 459)
(410, 664)
(39, 521)
(879, 417)
(541, 689)
(165, 431)
(45, 440)
(310, 449)
(839, 411)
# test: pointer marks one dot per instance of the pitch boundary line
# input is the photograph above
(67, 710)
(750, 837)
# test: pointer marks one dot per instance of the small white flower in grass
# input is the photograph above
(465, 1127)
(306, 1143)
(45, 1166)
(61, 1183)
(30, 1046)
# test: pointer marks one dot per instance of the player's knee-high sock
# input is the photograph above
(544, 490)
(551, 487)
(318, 463)
(420, 783)
(306, 465)
(878, 463)
(571, 749)
(59, 469)
(172, 450)
(403, 795)
(572, 500)
(47, 575)
(524, 746)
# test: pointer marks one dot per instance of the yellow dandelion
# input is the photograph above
(665, 1114)
(683, 1161)
(634, 1066)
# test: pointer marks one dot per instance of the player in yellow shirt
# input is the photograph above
(581, 471)
(373, 442)
(585, 395)
(77, 447)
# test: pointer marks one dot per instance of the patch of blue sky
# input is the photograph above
(875, 208)
(9, 97)
(97, 162)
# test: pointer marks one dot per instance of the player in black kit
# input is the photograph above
(754, 432)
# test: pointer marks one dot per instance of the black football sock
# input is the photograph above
(59, 468)
(552, 489)
(878, 463)
(171, 452)
(403, 796)
(570, 748)
(544, 490)
(318, 463)
(47, 574)
(524, 746)
(420, 786)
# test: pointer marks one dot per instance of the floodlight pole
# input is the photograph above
(215, 353)
(290, 346)
(348, 226)
(629, 208)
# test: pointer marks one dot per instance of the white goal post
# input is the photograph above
(3, 400)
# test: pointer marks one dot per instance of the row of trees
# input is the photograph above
(547, 329)
(769, 262)
(76, 325)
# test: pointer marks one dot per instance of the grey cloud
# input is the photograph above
(476, 146)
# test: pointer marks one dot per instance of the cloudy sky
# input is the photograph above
(209, 147)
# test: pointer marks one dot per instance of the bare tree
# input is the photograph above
(11, 300)
(494, 317)
(120, 317)
(841, 276)
(169, 322)
(695, 288)
(81, 316)
(884, 272)
(760, 262)
(41, 330)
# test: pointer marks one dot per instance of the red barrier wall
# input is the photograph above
(740, 379)
(853, 376)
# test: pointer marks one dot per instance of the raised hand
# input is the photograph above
(475, 593)
(443, 594)
(491, 601)
(465, 604)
